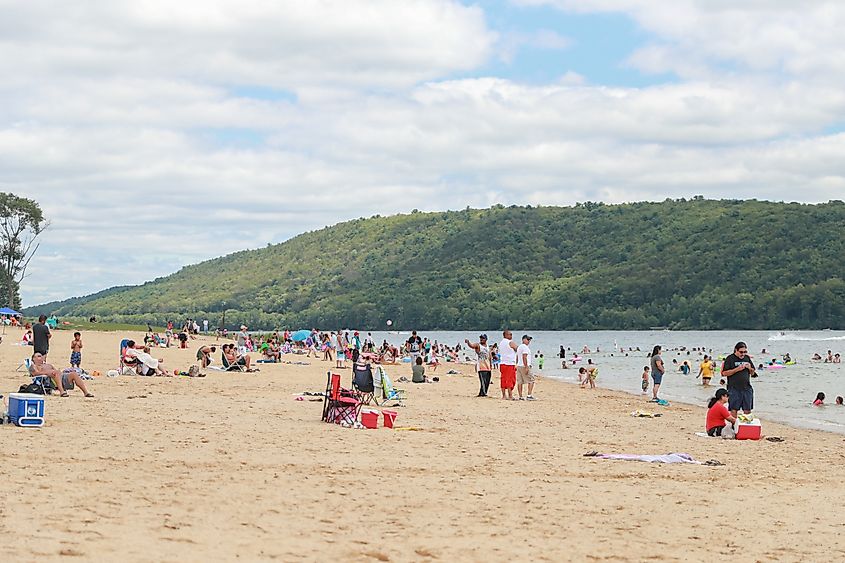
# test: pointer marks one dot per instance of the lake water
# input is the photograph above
(784, 394)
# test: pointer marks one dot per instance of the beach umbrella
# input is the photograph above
(300, 335)
(7, 311)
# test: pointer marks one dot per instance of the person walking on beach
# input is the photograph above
(738, 369)
(507, 365)
(657, 371)
(484, 364)
(524, 375)
(41, 336)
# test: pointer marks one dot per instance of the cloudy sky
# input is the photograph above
(156, 134)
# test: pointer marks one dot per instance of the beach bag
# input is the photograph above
(33, 389)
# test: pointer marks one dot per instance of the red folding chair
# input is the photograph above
(339, 405)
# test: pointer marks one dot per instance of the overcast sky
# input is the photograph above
(156, 134)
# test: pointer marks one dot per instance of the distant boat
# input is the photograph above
(666, 328)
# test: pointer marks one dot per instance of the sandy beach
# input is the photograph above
(231, 466)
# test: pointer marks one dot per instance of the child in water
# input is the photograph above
(645, 380)
(840, 401)
(819, 402)
(718, 413)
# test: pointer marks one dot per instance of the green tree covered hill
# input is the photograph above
(696, 264)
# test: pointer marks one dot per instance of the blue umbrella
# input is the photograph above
(300, 335)
(7, 311)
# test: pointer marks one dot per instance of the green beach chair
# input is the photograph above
(389, 393)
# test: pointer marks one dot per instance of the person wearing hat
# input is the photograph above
(524, 375)
(243, 336)
(483, 364)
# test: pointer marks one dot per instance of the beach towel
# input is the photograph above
(663, 458)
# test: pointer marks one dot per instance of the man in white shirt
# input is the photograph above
(507, 365)
(524, 375)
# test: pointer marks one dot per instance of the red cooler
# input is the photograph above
(369, 418)
(749, 430)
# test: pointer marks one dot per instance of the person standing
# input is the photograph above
(507, 365)
(705, 371)
(243, 336)
(41, 336)
(413, 346)
(738, 369)
(524, 375)
(205, 326)
(657, 371)
(484, 364)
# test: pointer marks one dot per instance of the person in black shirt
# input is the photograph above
(738, 369)
(41, 336)
(414, 345)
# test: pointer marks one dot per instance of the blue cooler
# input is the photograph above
(26, 409)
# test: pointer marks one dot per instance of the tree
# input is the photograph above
(21, 221)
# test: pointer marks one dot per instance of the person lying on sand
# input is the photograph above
(64, 381)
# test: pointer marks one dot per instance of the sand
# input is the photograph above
(232, 467)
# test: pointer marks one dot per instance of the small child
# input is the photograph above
(76, 350)
(645, 379)
(588, 375)
(840, 401)
(819, 402)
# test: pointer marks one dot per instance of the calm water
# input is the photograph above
(784, 394)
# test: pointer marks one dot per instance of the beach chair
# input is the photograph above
(231, 367)
(43, 381)
(26, 364)
(362, 383)
(126, 363)
(339, 406)
(388, 392)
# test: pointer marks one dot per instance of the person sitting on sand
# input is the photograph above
(819, 402)
(204, 355)
(718, 414)
(231, 360)
(418, 371)
(64, 381)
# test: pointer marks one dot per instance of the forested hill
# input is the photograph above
(696, 264)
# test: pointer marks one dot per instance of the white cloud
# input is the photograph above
(129, 123)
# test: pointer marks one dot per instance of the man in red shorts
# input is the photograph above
(507, 364)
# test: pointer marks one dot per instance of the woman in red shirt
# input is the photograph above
(718, 414)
